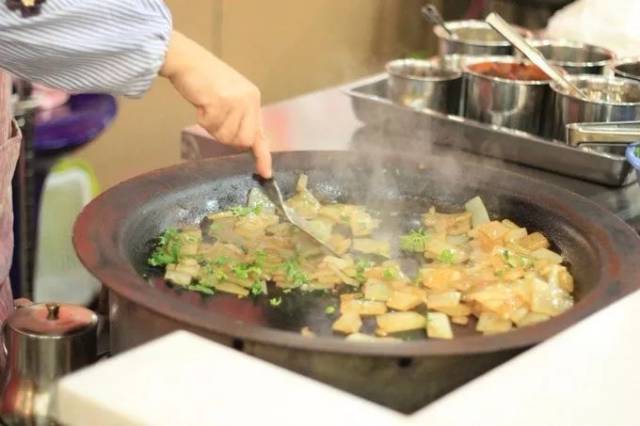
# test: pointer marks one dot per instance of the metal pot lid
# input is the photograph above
(52, 320)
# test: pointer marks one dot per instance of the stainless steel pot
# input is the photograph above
(43, 342)
(621, 102)
(574, 57)
(515, 104)
(421, 84)
(475, 38)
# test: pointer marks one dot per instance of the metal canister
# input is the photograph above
(506, 102)
(421, 84)
(573, 56)
(43, 343)
(610, 99)
(473, 38)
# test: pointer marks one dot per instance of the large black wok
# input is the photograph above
(112, 238)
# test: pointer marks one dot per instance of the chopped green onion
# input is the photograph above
(201, 289)
(275, 301)
(241, 211)
(258, 288)
(414, 241)
(294, 274)
(361, 266)
(168, 249)
(389, 274)
(330, 310)
(447, 256)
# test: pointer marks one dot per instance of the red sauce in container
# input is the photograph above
(510, 71)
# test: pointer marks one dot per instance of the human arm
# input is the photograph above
(119, 47)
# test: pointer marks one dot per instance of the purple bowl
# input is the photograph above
(634, 158)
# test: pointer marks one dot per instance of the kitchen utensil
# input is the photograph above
(472, 38)
(272, 190)
(621, 103)
(555, 74)
(43, 343)
(512, 103)
(603, 134)
(371, 105)
(431, 14)
(574, 57)
(112, 235)
(422, 84)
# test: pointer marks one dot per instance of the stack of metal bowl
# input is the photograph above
(480, 77)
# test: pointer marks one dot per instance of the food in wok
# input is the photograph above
(471, 269)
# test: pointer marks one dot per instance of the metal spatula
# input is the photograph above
(273, 192)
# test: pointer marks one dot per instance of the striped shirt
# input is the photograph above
(114, 46)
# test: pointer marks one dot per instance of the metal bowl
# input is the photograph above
(511, 103)
(474, 38)
(574, 57)
(622, 103)
(421, 84)
(625, 68)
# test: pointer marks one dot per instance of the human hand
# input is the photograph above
(228, 105)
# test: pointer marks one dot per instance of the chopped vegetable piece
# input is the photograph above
(402, 301)
(363, 307)
(330, 310)
(168, 249)
(246, 211)
(348, 323)
(438, 326)
(447, 256)
(370, 246)
(232, 288)
(414, 241)
(201, 289)
(275, 301)
(394, 322)
(448, 299)
(479, 214)
(258, 288)
(376, 290)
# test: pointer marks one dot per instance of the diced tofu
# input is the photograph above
(402, 301)
(549, 300)
(534, 241)
(547, 255)
(532, 318)
(479, 214)
(394, 322)
(438, 326)
(348, 323)
(448, 299)
(232, 288)
(376, 290)
(490, 323)
(439, 278)
(371, 246)
(460, 310)
(461, 320)
(494, 230)
(178, 278)
(363, 307)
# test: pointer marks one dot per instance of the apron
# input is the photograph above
(9, 151)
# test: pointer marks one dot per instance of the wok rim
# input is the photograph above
(119, 276)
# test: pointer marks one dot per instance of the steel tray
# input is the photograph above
(371, 105)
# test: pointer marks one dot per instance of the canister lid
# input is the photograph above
(52, 319)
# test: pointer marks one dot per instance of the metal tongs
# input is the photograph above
(273, 192)
(614, 133)
(557, 74)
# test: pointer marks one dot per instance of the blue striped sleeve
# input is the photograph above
(114, 46)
